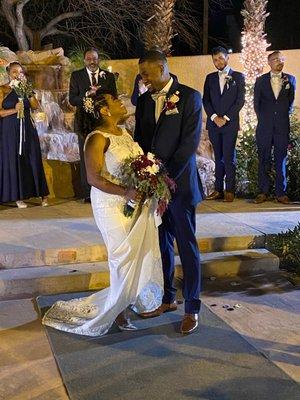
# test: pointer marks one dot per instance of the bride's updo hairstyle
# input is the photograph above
(92, 106)
(12, 64)
(99, 102)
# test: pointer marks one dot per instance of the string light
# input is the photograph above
(253, 55)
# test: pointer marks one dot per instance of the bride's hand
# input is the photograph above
(131, 194)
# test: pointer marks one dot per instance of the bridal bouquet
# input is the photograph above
(149, 177)
(23, 88)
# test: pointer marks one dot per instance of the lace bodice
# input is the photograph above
(120, 147)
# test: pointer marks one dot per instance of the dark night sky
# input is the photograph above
(282, 26)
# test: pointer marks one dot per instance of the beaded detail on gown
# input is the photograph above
(133, 256)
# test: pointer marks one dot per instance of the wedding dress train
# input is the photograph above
(133, 257)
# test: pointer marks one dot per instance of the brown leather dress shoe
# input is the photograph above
(189, 323)
(215, 196)
(283, 200)
(260, 198)
(160, 310)
(228, 197)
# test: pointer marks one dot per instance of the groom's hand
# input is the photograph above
(132, 194)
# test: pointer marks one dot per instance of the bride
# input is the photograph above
(132, 243)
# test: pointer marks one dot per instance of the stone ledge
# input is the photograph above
(29, 282)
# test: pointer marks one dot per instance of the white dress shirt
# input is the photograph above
(161, 98)
(276, 83)
(222, 81)
(90, 75)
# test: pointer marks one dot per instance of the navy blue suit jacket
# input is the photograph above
(174, 138)
(273, 113)
(228, 103)
(79, 85)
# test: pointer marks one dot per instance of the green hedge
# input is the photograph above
(286, 245)
(247, 164)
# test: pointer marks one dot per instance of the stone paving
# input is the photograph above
(268, 317)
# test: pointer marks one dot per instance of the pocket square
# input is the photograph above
(172, 111)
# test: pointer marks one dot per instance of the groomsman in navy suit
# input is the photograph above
(223, 98)
(274, 95)
(168, 124)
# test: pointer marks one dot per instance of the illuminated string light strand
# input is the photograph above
(253, 55)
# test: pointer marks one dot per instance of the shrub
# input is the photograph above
(286, 245)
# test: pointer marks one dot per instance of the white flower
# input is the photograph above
(153, 170)
(151, 157)
(14, 83)
(102, 74)
(174, 98)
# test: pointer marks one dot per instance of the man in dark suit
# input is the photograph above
(223, 98)
(83, 83)
(168, 124)
(274, 95)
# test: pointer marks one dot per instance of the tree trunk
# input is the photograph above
(21, 40)
(159, 30)
(36, 43)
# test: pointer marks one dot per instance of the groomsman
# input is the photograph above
(223, 98)
(274, 94)
(85, 82)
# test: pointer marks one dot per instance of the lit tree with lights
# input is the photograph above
(253, 57)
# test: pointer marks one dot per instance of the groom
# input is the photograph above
(168, 124)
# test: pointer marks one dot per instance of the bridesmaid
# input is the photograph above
(21, 167)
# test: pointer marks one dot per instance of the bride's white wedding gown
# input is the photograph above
(133, 257)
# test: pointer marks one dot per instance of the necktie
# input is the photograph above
(222, 75)
(157, 95)
(159, 99)
(94, 82)
(276, 84)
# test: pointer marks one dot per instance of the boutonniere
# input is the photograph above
(102, 74)
(229, 80)
(285, 82)
(170, 104)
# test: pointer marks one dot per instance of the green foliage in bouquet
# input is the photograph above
(286, 245)
(149, 177)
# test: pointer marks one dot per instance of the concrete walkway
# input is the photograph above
(70, 224)
(268, 317)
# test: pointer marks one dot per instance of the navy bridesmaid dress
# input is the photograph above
(21, 169)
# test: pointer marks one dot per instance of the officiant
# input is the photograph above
(86, 82)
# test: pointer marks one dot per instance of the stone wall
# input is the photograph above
(192, 70)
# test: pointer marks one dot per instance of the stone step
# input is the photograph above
(29, 282)
(226, 264)
(17, 257)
